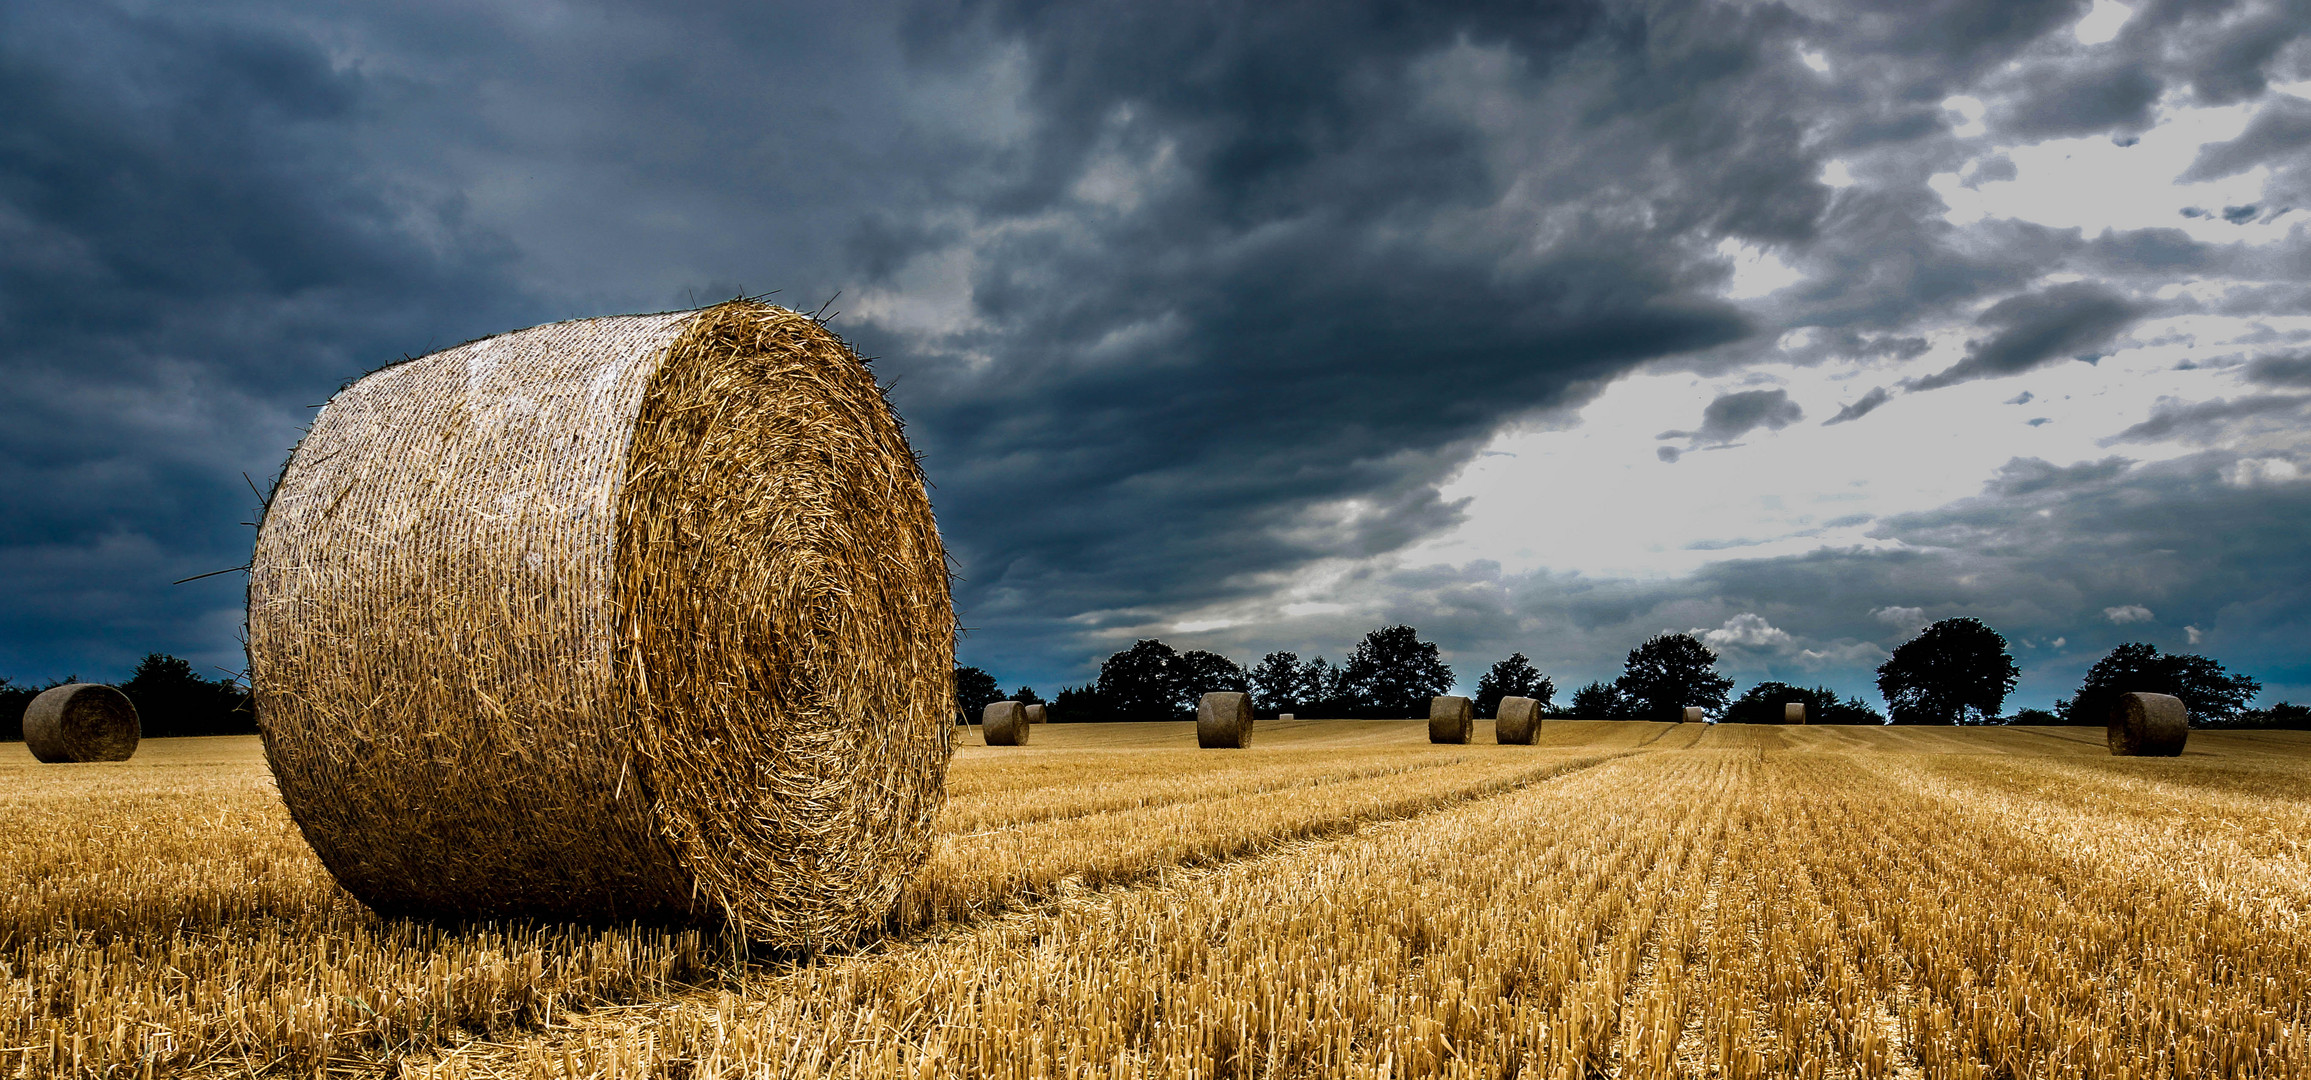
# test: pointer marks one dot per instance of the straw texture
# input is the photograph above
(2149, 725)
(629, 618)
(1038, 714)
(1517, 721)
(79, 722)
(1004, 723)
(1450, 719)
(1224, 721)
(1793, 712)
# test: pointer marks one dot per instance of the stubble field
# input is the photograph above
(1342, 899)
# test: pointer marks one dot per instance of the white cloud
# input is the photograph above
(1855, 654)
(2254, 472)
(1748, 629)
(1970, 111)
(2102, 23)
(1756, 271)
(1837, 174)
(1904, 619)
(2195, 633)
(2128, 613)
(1814, 59)
(2060, 642)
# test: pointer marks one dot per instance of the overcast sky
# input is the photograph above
(1540, 327)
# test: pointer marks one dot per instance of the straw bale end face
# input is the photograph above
(1450, 719)
(1518, 720)
(1224, 721)
(1005, 723)
(1038, 714)
(1793, 712)
(81, 722)
(1692, 715)
(632, 618)
(2149, 725)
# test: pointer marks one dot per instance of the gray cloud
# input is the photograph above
(2059, 322)
(1861, 406)
(1730, 416)
(2205, 421)
(2280, 370)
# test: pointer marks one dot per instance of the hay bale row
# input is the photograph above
(641, 617)
(1517, 721)
(1004, 723)
(1450, 719)
(81, 722)
(2149, 725)
(1224, 721)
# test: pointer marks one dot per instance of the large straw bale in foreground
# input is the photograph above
(1004, 723)
(1450, 719)
(1516, 721)
(1224, 721)
(81, 722)
(2149, 725)
(625, 618)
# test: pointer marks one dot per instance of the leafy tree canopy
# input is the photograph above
(1669, 673)
(1956, 671)
(1141, 682)
(974, 691)
(1201, 673)
(1026, 695)
(1078, 705)
(1762, 704)
(1276, 684)
(1513, 677)
(1393, 673)
(1601, 701)
(2214, 696)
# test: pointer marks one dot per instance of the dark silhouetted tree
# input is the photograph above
(974, 691)
(1600, 701)
(2214, 696)
(1762, 704)
(1513, 677)
(1956, 671)
(1142, 683)
(1324, 690)
(1078, 705)
(1026, 695)
(170, 700)
(1670, 672)
(1393, 673)
(1203, 673)
(1276, 683)
(2284, 716)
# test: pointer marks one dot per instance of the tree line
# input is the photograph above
(170, 699)
(1956, 671)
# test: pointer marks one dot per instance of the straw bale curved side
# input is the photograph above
(1450, 719)
(1517, 721)
(641, 617)
(81, 722)
(1038, 714)
(1224, 721)
(2149, 725)
(1692, 715)
(1004, 723)
(1793, 712)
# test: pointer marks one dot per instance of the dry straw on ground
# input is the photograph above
(1793, 712)
(2149, 725)
(1450, 719)
(1224, 721)
(1517, 720)
(1038, 714)
(627, 618)
(1004, 723)
(80, 722)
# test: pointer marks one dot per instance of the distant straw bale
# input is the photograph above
(1224, 721)
(1793, 712)
(1450, 719)
(1693, 715)
(1038, 714)
(1004, 723)
(1517, 721)
(642, 617)
(1284, 716)
(81, 722)
(2149, 725)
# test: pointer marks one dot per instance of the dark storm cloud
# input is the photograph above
(2064, 101)
(1730, 416)
(2057, 323)
(2280, 370)
(2204, 421)
(1861, 406)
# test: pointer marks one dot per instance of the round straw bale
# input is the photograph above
(79, 722)
(1004, 723)
(1793, 712)
(1692, 715)
(1224, 721)
(1450, 719)
(1038, 714)
(1284, 716)
(641, 617)
(1517, 721)
(2149, 725)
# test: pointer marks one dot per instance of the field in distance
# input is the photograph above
(1623, 899)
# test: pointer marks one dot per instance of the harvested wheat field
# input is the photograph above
(1344, 898)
